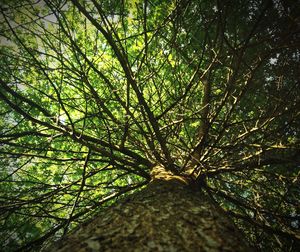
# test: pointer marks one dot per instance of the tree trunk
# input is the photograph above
(167, 215)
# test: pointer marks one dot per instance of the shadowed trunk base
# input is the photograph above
(164, 216)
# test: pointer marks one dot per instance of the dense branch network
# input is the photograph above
(93, 96)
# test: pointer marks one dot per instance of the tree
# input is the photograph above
(188, 107)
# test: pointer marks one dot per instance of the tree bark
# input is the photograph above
(167, 215)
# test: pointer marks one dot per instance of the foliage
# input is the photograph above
(93, 95)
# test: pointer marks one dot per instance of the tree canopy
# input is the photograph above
(93, 94)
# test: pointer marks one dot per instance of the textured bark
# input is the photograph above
(165, 216)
